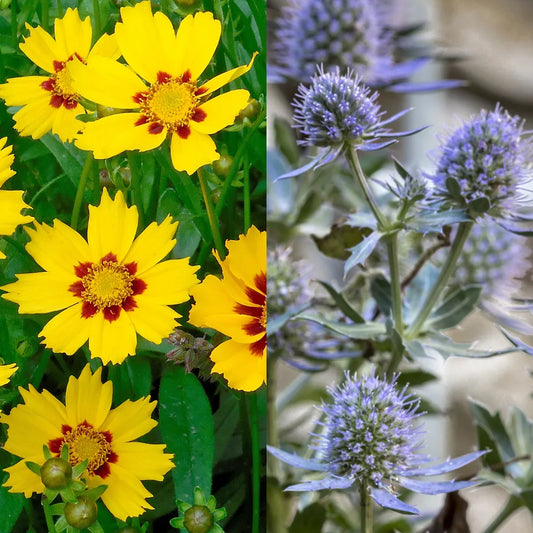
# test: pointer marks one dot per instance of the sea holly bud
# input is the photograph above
(81, 514)
(56, 473)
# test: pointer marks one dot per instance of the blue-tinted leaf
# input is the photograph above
(328, 483)
(446, 466)
(362, 220)
(346, 309)
(434, 487)
(387, 500)
(426, 86)
(368, 330)
(321, 159)
(429, 222)
(361, 251)
(515, 341)
(297, 461)
(456, 306)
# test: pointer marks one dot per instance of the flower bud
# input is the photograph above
(251, 111)
(81, 514)
(198, 519)
(222, 166)
(56, 473)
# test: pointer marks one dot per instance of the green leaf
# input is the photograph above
(381, 292)
(457, 305)
(187, 428)
(360, 252)
(368, 330)
(11, 506)
(346, 309)
(310, 520)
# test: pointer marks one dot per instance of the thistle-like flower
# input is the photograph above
(484, 165)
(353, 34)
(371, 439)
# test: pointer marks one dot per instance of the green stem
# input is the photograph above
(510, 507)
(353, 161)
(396, 284)
(81, 189)
(136, 183)
(14, 28)
(246, 194)
(213, 219)
(45, 11)
(367, 525)
(447, 270)
(97, 18)
(256, 461)
(48, 515)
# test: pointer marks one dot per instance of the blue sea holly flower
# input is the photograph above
(372, 439)
(484, 165)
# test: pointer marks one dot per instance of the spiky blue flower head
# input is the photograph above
(336, 109)
(371, 433)
(371, 440)
(485, 163)
(350, 34)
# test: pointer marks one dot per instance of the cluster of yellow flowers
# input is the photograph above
(115, 284)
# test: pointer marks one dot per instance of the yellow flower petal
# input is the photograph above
(106, 81)
(65, 124)
(88, 385)
(243, 370)
(197, 39)
(67, 331)
(155, 463)
(221, 111)
(6, 371)
(10, 217)
(112, 227)
(41, 48)
(22, 479)
(40, 292)
(73, 36)
(152, 320)
(113, 341)
(105, 46)
(35, 119)
(222, 79)
(26, 90)
(152, 245)
(169, 282)
(57, 249)
(193, 152)
(142, 37)
(114, 134)
(6, 160)
(130, 420)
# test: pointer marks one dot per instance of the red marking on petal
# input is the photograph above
(155, 128)
(138, 97)
(88, 310)
(48, 85)
(260, 281)
(85, 424)
(82, 269)
(199, 115)
(113, 458)
(59, 65)
(103, 471)
(254, 328)
(183, 131)
(129, 304)
(107, 436)
(255, 297)
(131, 268)
(76, 288)
(138, 286)
(249, 310)
(163, 77)
(258, 348)
(54, 445)
(110, 257)
(65, 428)
(142, 120)
(200, 90)
(70, 103)
(186, 76)
(56, 101)
(112, 312)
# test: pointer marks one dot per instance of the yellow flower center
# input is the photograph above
(84, 442)
(263, 319)
(106, 284)
(62, 85)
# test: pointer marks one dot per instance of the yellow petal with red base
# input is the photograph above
(106, 81)
(67, 331)
(42, 49)
(221, 111)
(243, 370)
(114, 134)
(72, 35)
(190, 154)
(222, 79)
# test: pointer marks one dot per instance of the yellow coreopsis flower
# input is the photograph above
(11, 202)
(49, 102)
(236, 306)
(110, 287)
(6, 371)
(93, 431)
(170, 100)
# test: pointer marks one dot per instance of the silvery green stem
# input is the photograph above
(367, 525)
(447, 270)
(510, 507)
